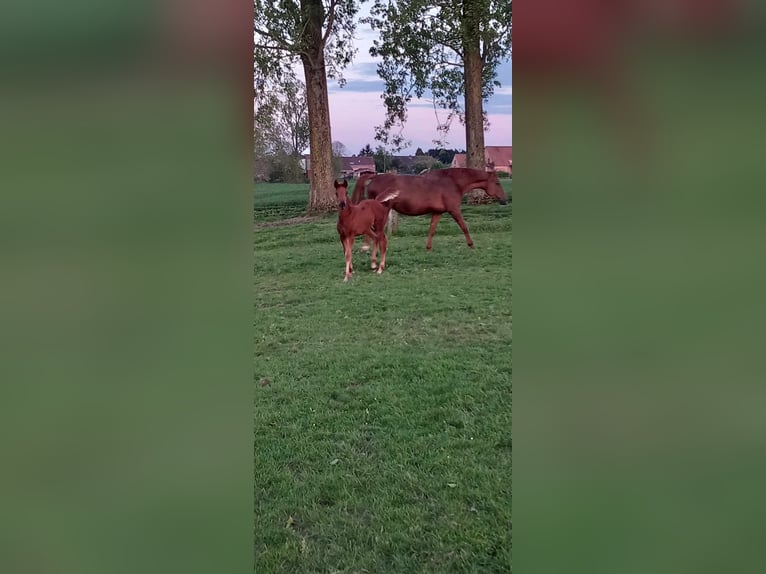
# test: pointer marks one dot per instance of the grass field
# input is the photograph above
(382, 406)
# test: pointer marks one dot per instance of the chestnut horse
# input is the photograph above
(367, 218)
(435, 193)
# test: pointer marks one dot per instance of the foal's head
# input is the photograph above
(341, 191)
(494, 189)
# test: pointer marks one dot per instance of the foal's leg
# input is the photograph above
(373, 241)
(434, 222)
(383, 246)
(458, 216)
(348, 244)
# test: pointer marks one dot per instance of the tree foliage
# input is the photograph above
(444, 155)
(383, 159)
(423, 45)
(280, 130)
(282, 35)
(318, 34)
(339, 149)
(281, 118)
(338, 153)
(366, 150)
(293, 122)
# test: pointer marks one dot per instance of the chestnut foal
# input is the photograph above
(366, 218)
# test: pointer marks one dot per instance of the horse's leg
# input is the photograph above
(434, 222)
(458, 217)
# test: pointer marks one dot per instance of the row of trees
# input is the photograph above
(280, 130)
(450, 48)
(443, 155)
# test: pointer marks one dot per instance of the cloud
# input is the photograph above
(361, 77)
(354, 116)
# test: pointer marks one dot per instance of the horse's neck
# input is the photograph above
(473, 183)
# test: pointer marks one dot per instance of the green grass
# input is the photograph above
(382, 406)
(274, 201)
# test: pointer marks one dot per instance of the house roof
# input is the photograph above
(459, 160)
(357, 163)
(499, 155)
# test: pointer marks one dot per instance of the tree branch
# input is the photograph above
(285, 45)
(330, 22)
(457, 48)
(270, 47)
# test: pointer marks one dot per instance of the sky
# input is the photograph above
(356, 109)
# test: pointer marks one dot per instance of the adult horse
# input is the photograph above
(435, 193)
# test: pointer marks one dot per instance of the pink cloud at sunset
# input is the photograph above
(354, 116)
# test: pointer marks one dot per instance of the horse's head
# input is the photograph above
(341, 191)
(494, 189)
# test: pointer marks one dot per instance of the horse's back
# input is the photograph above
(382, 183)
(418, 194)
(367, 214)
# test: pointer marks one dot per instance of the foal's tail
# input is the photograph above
(359, 190)
(387, 196)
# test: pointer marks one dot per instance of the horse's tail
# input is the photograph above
(391, 219)
(359, 190)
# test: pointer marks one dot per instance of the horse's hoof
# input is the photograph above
(373, 267)
(365, 248)
(379, 271)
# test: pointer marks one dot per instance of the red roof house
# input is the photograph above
(498, 158)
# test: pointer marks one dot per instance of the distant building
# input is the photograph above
(498, 158)
(351, 167)
(354, 166)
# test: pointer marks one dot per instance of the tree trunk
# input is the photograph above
(474, 108)
(322, 193)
